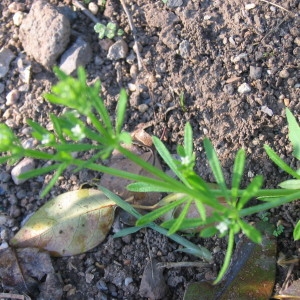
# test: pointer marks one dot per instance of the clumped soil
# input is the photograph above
(203, 50)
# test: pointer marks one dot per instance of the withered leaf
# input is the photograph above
(72, 223)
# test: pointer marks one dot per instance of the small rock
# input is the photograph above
(93, 8)
(105, 44)
(249, 6)
(143, 108)
(15, 7)
(297, 41)
(79, 54)
(184, 49)
(24, 71)
(168, 37)
(45, 33)
(2, 86)
(131, 87)
(6, 57)
(255, 72)
(128, 280)
(18, 18)
(118, 50)
(12, 97)
(25, 165)
(228, 89)
(206, 17)
(89, 277)
(174, 3)
(267, 110)
(239, 57)
(244, 88)
(284, 73)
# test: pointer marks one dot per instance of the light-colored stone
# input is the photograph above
(244, 88)
(267, 110)
(18, 18)
(284, 74)
(79, 54)
(6, 57)
(118, 50)
(12, 97)
(45, 33)
(25, 165)
(255, 72)
(93, 8)
(249, 6)
(174, 3)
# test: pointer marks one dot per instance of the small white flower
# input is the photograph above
(46, 139)
(77, 131)
(222, 227)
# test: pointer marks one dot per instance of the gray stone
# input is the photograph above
(79, 54)
(2, 86)
(12, 97)
(6, 57)
(255, 72)
(244, 88)
(118, 50)
(45, 33)
(174, 3)
(184, 49)
(25, 165)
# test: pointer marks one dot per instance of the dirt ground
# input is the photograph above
(204, 50)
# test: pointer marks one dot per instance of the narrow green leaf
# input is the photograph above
(294, 133)
(188, 139)
(293, 184)
(166, 156)
(251, 232)
(146, 187)
(37, 154)
(215, 166)
(121, 109)
(5, 159)
(155, 214)
(178, 221)
(127, 231)
(227, 258)
(54, 179)
(38, 172)
(238, 170)
(250, 191)
(75, 147)
(279, 162)
(296, 233)
(208, 232)
(120, 202)
(57, 128)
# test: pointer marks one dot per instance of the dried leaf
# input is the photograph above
(153, 285)
(72, 223)
(29, 271)
(118, 185)
(251, 274)
(290, 293)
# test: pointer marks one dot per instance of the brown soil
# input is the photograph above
(203, 49)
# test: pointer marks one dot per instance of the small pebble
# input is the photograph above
(2, 86)
(89, 277)
(249, 6)
(128, 280)
(143, 108)
(18, 18)
(101, 285)
(93, 8)
(284, 73)
(244, 88)
(267, 110)
(118, 50)
(12, 97)
(131, 87)
(255, 72)
(25, 165)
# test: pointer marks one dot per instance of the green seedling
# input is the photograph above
(110, 30)
(279, 230)
(224, 218)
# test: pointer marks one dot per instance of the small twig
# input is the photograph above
(181, 264)
(85, 11)
(132, 27)
(13, 296)
(278, 6)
